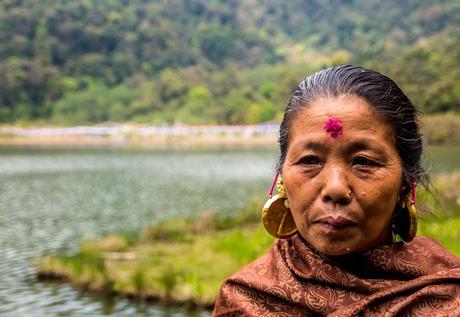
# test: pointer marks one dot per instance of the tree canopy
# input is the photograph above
(201, 61)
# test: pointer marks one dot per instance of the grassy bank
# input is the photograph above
(440, 211)
(441, 128)
(181, 261)
(184, 261)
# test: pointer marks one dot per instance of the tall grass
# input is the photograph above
(440, 211)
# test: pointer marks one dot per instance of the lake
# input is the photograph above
(52, 198)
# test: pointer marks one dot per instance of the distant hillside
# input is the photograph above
(181, 60)
(428, 71)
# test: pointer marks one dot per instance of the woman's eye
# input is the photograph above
(310, 161)
(365, 162)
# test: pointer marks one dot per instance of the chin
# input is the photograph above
(331, 248)
(335, 251)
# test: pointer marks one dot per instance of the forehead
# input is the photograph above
(354, 113)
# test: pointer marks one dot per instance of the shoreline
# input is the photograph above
(137, 142)
(178, 262)
(149, 298)
(437, 129)
(139, 135)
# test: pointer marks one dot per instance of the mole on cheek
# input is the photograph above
(334, 127)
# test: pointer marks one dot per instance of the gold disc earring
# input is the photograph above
(410, 223)
(276, 213)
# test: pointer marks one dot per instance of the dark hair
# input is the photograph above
(380, 92)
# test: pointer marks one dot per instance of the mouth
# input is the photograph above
(335, 223)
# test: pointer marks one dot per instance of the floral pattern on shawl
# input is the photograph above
(419, 278)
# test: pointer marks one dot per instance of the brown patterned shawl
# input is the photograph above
(419, 278)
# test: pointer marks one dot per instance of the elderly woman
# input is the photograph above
(345, 211)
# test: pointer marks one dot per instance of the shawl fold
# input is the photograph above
(419, 278)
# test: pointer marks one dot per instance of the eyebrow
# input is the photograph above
(355, 146)
(360, 145)
(315, 146)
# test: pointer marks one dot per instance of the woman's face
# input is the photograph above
(342, 175)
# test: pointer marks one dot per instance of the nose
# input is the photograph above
(336, 187)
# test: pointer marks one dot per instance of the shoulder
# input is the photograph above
(429, 252)
(420, 257)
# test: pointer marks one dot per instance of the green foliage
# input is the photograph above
(260, 112)
(198, 102)
(75, 62)
(429, 72)
(169, 278)
(445, 230)
(440, 211)
(243, 247)
(95, 104)
(139, 280)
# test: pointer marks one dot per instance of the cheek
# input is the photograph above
(301, 195)
(385, 188)
(298, 189)
(379, 204)
(300, 213)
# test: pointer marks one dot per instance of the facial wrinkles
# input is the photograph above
(321, 164)
(332, 125)
(336, 129)
(337, 151)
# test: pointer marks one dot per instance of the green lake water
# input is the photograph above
(52, 198)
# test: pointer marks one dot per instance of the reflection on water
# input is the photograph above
(51, 199)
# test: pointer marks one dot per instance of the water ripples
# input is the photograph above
(52, 199)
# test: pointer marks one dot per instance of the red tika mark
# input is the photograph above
(334, 127)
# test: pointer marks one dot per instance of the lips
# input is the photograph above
(336, 223)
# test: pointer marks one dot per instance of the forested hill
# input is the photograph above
(199, 61)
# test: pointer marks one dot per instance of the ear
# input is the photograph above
(405, 186)
(402, 194)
